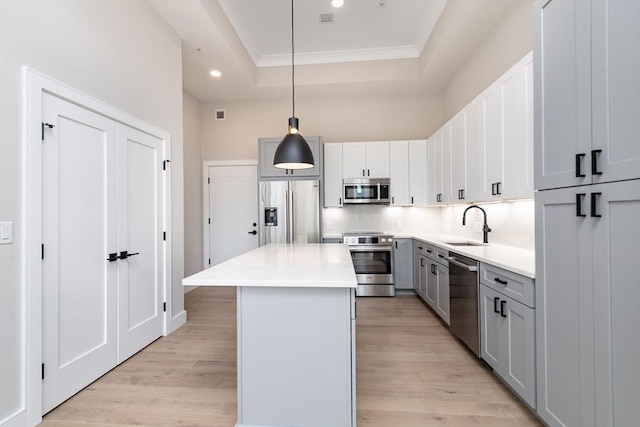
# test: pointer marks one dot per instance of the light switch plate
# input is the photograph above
(6, 232)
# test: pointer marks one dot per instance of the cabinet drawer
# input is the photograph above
(424, 249)
(513, 285)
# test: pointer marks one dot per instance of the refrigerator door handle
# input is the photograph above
(292, 219)
(287, 225)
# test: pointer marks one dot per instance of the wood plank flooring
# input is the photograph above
(410, 372)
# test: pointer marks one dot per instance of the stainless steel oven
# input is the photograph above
(372, 256)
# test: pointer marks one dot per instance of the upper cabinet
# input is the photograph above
(587, 80)
(267, 150)
(333, 175)
(365, 160)
(399, 173)
(418, 173)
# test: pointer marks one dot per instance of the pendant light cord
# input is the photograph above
(293, 85)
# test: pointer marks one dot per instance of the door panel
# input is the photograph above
(490, 324)
(79, 231)
(519, 350)
(233, 210)
(140, 276)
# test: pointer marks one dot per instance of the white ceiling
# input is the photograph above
(396, 46)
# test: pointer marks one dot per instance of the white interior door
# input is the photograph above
(233, 211)
(140, 228)
(79, 231)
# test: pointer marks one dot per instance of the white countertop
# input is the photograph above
(283, 265)
(520, 261)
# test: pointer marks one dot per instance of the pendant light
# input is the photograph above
(293, 152)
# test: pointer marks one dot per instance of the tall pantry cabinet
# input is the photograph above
(587, 177)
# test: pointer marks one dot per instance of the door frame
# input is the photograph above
(206, 243)
(35, 84)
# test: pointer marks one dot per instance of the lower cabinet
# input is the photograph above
(507, 338)
(437, 295)
(420, 263)
(403, 263)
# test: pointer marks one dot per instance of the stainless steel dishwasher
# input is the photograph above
(463, 300)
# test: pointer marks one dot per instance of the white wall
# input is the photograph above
(121, 53)
(192, 186)
(393, 220)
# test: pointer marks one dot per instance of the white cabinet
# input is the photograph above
(438, 170)
(332, 175)
(587, 102)
(365, 159)
(418, 171)
(267, 149)
(420, 263)
(458, 158)
(587, 83)
(588, 345)
(473, 151)
(403, 263)
(507, 337)
(399, 173)
(408, 172)
(508, 134)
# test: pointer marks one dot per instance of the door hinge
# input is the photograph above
(164, 164)
(164, 235)
(42, 251)
(164, 306)
(50, 126)
(43, 371)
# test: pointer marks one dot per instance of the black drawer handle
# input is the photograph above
(503, 303)
(579, 158)
(594, 162)
(428, 251)
(440, 256)
(420, 247)
(579, 198)
(495, 304)
(502, 282)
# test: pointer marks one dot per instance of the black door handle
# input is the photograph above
(594, 162)
(493, 189)
(125, 254)
(579, 158)
(495, 304)
(254, 232)
(498, 189)
(502, 304)
(579, 197)
(502, 282)
(594, 201)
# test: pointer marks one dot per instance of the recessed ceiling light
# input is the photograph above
(215, 73)
(337, 3)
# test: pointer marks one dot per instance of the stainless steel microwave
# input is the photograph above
(366, 190)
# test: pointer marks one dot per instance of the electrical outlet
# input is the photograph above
(477, 226)
(399, 224)
(6, 232)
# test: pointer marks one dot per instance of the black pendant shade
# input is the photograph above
(293, 152)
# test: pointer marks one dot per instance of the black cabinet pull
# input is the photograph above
(579, 198)
(428, 251)
(254, 232)
(498, 188)
(368, 172)
(594, 162)
(439, 197)
(113, 257)
(461, 194)
(393, 200)
(421, 262)
(420, 247)
(440, 256)
(493, 189)
(594, 201)
(502, 305)
(125, 254)
(411, 199)
(495, 304)
(396, 245)
(502, 282)
(579, 158)
(433, 268)
(340, 201)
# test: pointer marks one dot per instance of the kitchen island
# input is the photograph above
(296, 333)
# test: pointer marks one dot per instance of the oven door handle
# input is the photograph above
(370, 248)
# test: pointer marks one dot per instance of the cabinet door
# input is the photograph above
(399, 173)
(377, 159)
(418, 171)
(473, 151)
(517, 348)
(433, 163)
(518, 149)
(442, 292)
(458, 159)
(403, 264)
(431, 283)
(445, 154)
(353, 160)
(564, 304)
(333, 175)
(562, 93)
(416, 270)
(492, 108)
(489, 325)
(615, 75)
(616, 252)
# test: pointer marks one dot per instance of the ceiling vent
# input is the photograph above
(326, 18)
(220, 114)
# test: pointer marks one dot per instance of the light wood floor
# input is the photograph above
(410, 372)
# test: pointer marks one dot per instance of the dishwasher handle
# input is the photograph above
(467, 267)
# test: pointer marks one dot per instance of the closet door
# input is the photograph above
(140, 234)
(79, 232)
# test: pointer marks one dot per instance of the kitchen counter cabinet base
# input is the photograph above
(296, 363)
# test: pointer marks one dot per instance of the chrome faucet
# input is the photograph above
(485, 227)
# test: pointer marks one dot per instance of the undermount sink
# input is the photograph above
(464, 244)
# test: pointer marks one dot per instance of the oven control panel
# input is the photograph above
(367, 240)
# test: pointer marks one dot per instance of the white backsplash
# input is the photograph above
(511, 223)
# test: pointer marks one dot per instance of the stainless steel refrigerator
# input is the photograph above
(289, 212)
